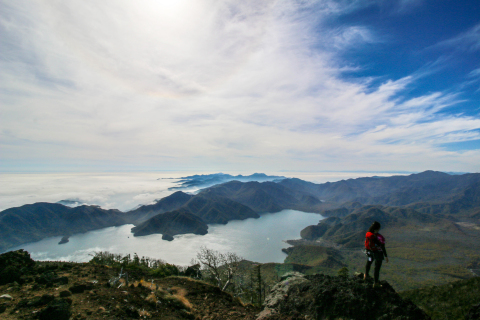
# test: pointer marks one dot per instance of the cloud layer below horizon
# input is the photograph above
(222, 85)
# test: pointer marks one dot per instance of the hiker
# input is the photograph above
(375, 250)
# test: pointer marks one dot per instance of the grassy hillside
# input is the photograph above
(450, 301)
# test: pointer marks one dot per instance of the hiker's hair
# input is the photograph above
(375, 226)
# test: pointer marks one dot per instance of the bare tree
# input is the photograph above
(222, 266)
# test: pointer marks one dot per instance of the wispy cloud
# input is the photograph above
(230, 84)
(467, 41)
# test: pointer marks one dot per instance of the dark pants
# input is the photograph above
(378, 258)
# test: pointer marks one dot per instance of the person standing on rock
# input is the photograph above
(375, 250)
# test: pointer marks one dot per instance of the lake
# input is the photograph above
(259, 240)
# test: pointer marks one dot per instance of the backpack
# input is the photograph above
(370, 244)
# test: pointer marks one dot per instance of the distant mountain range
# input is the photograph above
(208, 180)
(352, 204)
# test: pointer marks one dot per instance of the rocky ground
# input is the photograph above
(325, 297)
(65, 290)
(84, 291)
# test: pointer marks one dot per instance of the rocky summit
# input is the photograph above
(320, 296)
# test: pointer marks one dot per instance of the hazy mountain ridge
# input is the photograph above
(265, 196)
(427, 187)
(207, 180)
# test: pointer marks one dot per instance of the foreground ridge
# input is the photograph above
(330, 297)
(66, 290)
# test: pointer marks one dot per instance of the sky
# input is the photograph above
(248, 85)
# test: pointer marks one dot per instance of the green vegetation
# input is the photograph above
(419, 253)
(343, 272)
(314, 255)
(155, 267)
(450, 301)
(307, 255)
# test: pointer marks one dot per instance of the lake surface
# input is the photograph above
(259, 240)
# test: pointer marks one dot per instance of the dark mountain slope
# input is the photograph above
(169, 203)
(179, 221)
(466, 201)
(350, 230)
(33, 222)
(265, 197)
(193, 217)
(426, 187)
(218, 209)
(449, 301)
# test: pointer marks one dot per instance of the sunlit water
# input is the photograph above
(259, 240)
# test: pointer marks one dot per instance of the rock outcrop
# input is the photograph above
(474, 313)
(13, 265)
(325, 297)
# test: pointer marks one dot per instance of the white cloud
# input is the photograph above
(205, 84)
(474, 73)
(466, 41)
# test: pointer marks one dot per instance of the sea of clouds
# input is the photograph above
(123, 191)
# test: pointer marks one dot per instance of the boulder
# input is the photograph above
(46, 278)
(80, 288)
(61, 280)
(58, 309)
(279, 292)
(6, 297)
(327, 297)
(65, 293)
(40, 301)
(13, 265)
(131, 312)
(35, 302)
(473, 313)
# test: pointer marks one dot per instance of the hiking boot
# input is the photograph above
(377, 285)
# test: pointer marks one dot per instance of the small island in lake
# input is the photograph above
(64, 240)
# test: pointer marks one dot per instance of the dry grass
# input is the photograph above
(180, 294)
(144, 313)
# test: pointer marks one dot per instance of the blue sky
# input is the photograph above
(370, 85)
